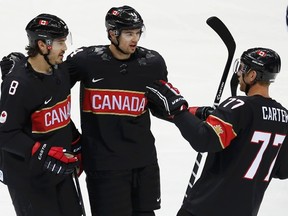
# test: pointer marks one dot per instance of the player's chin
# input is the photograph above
(59, 60)
(242, 87)
(132, 49)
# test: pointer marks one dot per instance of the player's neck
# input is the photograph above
(39, 64)
(258, 89)
(118, 54)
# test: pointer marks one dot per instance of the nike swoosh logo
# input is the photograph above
(158, 199)
(47, 101)
(96, 80)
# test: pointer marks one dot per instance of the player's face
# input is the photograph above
(242, 71)
(128, 40)
(242, 84)
(57, 51)
(240, 68)
(247, 79)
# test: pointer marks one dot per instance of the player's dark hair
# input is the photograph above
(32, 51)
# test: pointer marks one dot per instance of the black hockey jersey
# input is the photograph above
(34, 107)
(245, 138)
(114, 119)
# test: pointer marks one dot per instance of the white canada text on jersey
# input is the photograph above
(114, 102)
(52, 118)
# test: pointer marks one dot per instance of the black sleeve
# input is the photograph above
(14, 116)
(198, 133)
(154, 58)
(219, 129)
(73, 63)
(163, 69)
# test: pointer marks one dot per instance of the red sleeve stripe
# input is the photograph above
(224, 130)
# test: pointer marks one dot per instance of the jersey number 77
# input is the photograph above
(263, 138)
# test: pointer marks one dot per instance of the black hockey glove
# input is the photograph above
(53, 159)
(201, 112)
(155, 111)
(8, 62)
(164, 99)
(77, 152)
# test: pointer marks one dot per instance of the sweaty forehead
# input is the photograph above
(61, 39)
(131, 30)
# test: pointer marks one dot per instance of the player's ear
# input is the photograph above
(42, 46)
(252, 75)
(112, 34)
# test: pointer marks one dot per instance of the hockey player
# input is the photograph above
(119, 154)
(245, 138)
(35, 126)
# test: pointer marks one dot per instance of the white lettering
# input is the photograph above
(274, 114)
(142, 105)
(118, 102)
(58, 115)
(126, 104)
(106, 102)
(94, 101)
(42, 151)
(134, 103)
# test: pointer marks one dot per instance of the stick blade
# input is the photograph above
(220, 28)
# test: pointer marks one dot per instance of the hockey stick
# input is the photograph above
(234, 84)
(219, 27)
(79, 192)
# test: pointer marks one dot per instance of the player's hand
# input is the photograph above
(165, 99)
(201, 112)
(8, 62)
(53, 159)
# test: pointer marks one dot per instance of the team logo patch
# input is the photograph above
(261, 53)
(218, 129)
(224, 130)
(43, 22)
(115, 13)
(3, 117)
